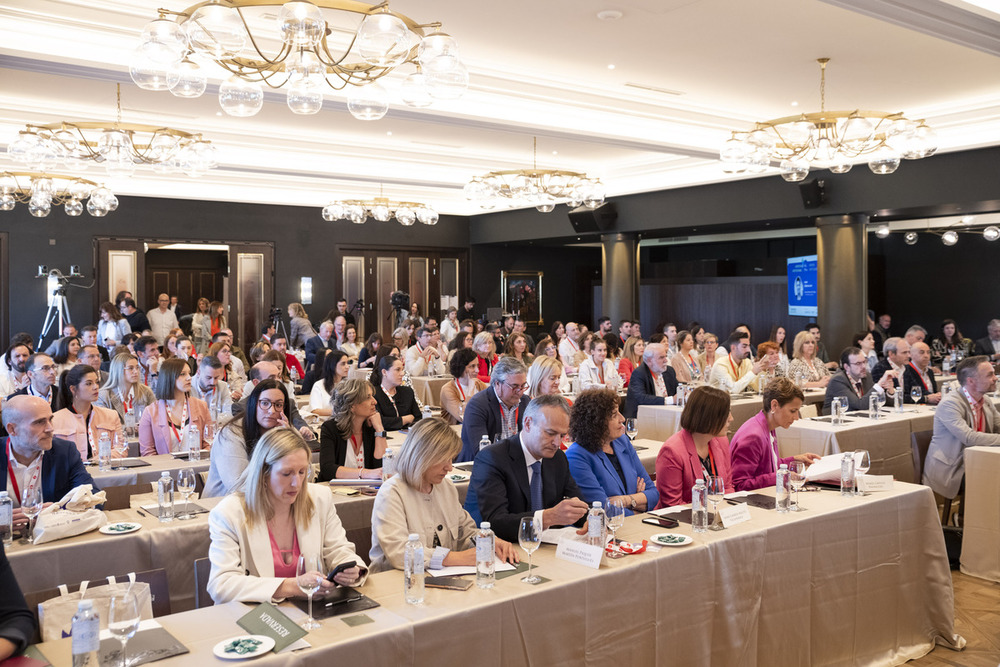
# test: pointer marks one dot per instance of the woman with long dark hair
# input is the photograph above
(78, 419)
(335, 369)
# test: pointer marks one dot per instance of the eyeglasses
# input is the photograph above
(517, 387)
(267, 405)
(46, 369)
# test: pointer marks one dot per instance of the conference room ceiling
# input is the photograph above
(686, 73)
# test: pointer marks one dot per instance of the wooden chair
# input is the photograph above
(118, 496)
(202, 568)
(919, 442)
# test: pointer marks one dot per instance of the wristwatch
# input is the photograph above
(379, 434)
(633, 502)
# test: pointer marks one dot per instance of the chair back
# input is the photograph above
(920, 441)
(118, 496)
(202, 568)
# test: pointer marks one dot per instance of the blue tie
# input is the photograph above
(536, 486)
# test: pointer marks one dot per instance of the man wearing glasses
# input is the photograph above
(42, 375)
(853, 382)
(498, 411)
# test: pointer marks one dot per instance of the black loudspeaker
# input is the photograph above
(588, 220)
(813, 193)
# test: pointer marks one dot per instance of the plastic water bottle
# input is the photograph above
(699, 506)
(294, 373)
(485, 544)
(782, 489)
(413, 570)
(388, 463)
(104, 452)
(165, 496)
(897, 398)
(130, 423)
(873, 406)
(847, 474)
(6, 519)
(484, 442)
(425, 412)
(596, 526)
(192, 442)
(86, 631)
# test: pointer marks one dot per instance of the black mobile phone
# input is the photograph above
(661, 521)
(449, 583)
(340, 568)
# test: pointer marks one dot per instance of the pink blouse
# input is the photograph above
(281, 569)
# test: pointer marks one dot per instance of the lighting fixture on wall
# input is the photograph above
(948, 233)
(118, 146)
(40, 191)
(236, 34)
(381, 209)
(828, 140)
(541, 188)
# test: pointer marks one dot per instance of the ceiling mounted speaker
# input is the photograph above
(589, 220)
(813, 193)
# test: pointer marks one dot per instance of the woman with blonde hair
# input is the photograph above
(401, 339)
(806, 364)
(708, 356)
(300, 328)
(486, 348)
(123, 392)
(631, 357)
(421, 499)
(585, 343)
(352, 442)
(545, 376)
(257, 352)
(258, 533)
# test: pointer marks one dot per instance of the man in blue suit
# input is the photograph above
(31, 456)
(498, 410)
(324, 339)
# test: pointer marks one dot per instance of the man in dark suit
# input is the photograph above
(990, 345)
(527, 475)
(38, 458)
(642, 386)
(324, 339)
(498, 410)
(897, 355)
(853, 383)
(41, 370)
(920, 374)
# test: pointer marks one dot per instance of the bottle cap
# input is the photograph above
(597, 504)
(85, 604)
(3, 494)
(165, 473)
(783, 466)
(485, 525)
(414, 537)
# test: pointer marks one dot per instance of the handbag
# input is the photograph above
(55, 615)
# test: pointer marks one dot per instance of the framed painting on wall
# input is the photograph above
(521, 294)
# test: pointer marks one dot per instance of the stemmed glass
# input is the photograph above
(797, 478)
(716, 491)
(915, 393)
(31, 505)
(862, 464)
(123, 619)
(210, 432)
(119, 444)
(529, 536)
(631, 428)
(308, 577)
(616, 519)
(185, 484)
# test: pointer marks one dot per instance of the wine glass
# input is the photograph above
(308, 577)
(616, 519)
(31, 505)
(716, 491)
(915, 393)
(631, 428)
(797, 478)
(123, 619)
(529, 536)
(862, 464)
(209, 431)
(119, 444)
(185, 484)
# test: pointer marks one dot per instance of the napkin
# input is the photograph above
(79, 499)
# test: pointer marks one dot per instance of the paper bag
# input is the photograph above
(55, 615)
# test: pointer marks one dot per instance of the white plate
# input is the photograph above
(665, 539)
(266, 644)
(123, 527)
(458, 477)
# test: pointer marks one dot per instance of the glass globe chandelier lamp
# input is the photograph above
(380, 209)
(40, 191)
(831, 140)
(294, 50)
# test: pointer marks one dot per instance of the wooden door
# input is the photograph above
(251, 289)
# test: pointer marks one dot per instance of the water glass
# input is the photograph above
(862, 464)
(716, 491)
(631, 428)
(123, 619)
(308, 575)
(616, 519)
(186, 484)
(529, 536)
(31, 505)
(797, 479)
(916, 393)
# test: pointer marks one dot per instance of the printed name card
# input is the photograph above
(734, 514)
(267, 620)
(581, 553)
(870, 483)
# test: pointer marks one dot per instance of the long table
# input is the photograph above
(850, 581)
(981, 530)
(147, 474)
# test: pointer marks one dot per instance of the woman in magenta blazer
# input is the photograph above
(161, 428)
(754, 449)
(699, 449)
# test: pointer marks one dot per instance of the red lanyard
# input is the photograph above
(921, 378)
(503, 417)
(711, 460)
(736, 371)
(980, 425)
(600, 373)
(184, 421)
(128, 400)
(32, 480)
(358, 457)
(460, 390)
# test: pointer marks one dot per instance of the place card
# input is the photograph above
(734, 514)
(265, 619)
(588, 555)
(870, 483)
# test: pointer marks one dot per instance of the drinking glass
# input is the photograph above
(862, 464)
(631, 428)
(716, 491)
(209, 432)
(616, 519)
(839, 408)
(915, 393)
(123, 619)
(797, 478)
(185, 484)
(529, 536)
(308, 576)
(119, 444)
(880, 400)
(31, 505)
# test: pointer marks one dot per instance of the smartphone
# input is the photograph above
(449, 583)
(661, 521)
(340, 568)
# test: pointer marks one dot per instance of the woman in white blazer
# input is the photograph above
(597, 371)
(259, 532)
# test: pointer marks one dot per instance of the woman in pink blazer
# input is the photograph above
(754, 449)
(161, 429)
(699, 449)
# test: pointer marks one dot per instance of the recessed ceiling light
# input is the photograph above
(795, 104)
(611, 66)
(388, 134)
(555, 152)
(609, 15)
(218, 113)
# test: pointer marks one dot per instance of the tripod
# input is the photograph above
(279, 326)
(58, 308)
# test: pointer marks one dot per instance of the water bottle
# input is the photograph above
(699, 506)
(86, 631)
(596, 525)
(897, 398)
(104, 451)
(484, 442)
(946, 364)
(192, 442)
(165, 496)
(847, 474)
(485, 577)
(294, 372)
(130, 423)
(425, 412)
(782, 489)
(413, 570)
(6, 519)
(873, 406)
(388, 464)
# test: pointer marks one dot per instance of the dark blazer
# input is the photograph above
(483, 417)
(137, 321)
(910, 378)
(17, 623)
(840, 385)
(62, 470)
(314, 344)
(879, 370)
(23, 391)
(406, 404)
(984, 346)
(333, 449)
(499, 491)
(642, 391)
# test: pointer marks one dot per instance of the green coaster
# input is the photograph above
(520, 568)
(360, 619)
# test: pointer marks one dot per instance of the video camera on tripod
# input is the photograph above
(57, 307)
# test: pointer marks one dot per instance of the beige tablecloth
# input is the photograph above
(359, 373)
(146, 474)
(861, 581)
(428, 389)
(981, 535)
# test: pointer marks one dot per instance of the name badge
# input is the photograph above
(734, 514)
(266, 620)
(870, 483)
(588, 555)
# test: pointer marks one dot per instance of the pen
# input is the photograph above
(330, 604)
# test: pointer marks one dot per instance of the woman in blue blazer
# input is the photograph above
(602, 460)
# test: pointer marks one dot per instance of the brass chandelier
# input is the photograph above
(381, 209)
(118, 146)
(828, 140)
(297, 55)
(40, 191)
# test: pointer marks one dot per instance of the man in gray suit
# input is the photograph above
(964, 418)
(853, 382)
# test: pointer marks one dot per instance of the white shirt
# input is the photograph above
(160, 323)
(23, 473)
(529, 460)
(568, 350)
